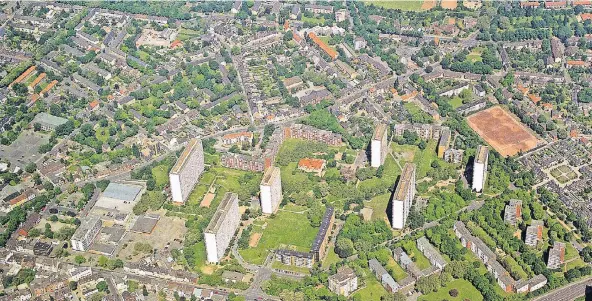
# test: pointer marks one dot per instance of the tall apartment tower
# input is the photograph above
(187, 171)
(403, 196)
(480, 168)
(222, 227)
(271, 190)
(379, 146)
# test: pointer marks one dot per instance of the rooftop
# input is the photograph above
(271, 173)
(379, 132)
(223, 208)
(49, 119)
(191, 147)
(124, 192)
(405, 181)
(323, 229)
(482, 153)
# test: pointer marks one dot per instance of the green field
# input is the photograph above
(313, 20)
(422, 158)
(475, 55)
(330, 258)
(416, 112)
(466, 291)
(420, 260)
(287, 229)
(402, 5)
(455, 102)
(373, 290)
(160, 174)
(399, 274)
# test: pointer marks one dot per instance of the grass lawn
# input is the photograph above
(475, 55)
(160, 174)
(102, 134)
(287, 228)
(402, 5)
(379, 204)
(398, 272)
(455, 102)
(292, 268)
(420, 260)
(416, 112)
(186, 34)
(331, 258)
(313, 20)
(575, 264)
(373, 290)
(570, 251)
(466, 291)
(326, 40)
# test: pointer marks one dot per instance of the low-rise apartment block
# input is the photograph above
(385, 278)
(85, 234)
(295, 258)
(431, 253)
(534, 233)
(424, 131)
(344, 282)
(556, 256)
(513, 212)
(305, 132)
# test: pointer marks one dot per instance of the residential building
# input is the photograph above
(453, 155)
(379, 146)
(431, 253)
(332, 53)
(240, 137)
(186, 172)
(222, 227)
(319, 245)
(312, 165)
(444, 142)
(295, 258)
(385, 278)
(305, 132)
(360, 43)
(406, 263)
(319, 9)
(84, 235)
(534, 233)
(403, 196)
(424, 131)
(271, 190)
(340, 15)
(480, 168)
(344, 282)
(556, 256)
(513, 212)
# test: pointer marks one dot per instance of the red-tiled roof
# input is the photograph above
(332, 53)
(312, 164)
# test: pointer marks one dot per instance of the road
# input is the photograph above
(567, 293)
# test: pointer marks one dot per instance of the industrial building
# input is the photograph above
(186, 172)
(480, 168)
(271, 190)
(117, 202)
(222, 227)
(379, 146)
(48, 122)
(84, 235)
(403, 197)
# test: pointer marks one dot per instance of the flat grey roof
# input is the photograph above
(122, 191)
(145, 223)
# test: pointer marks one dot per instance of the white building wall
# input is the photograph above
(266, 202)
(176, 188)
(478, 176)
(211, 248)
(399, 216)
(376, 153)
